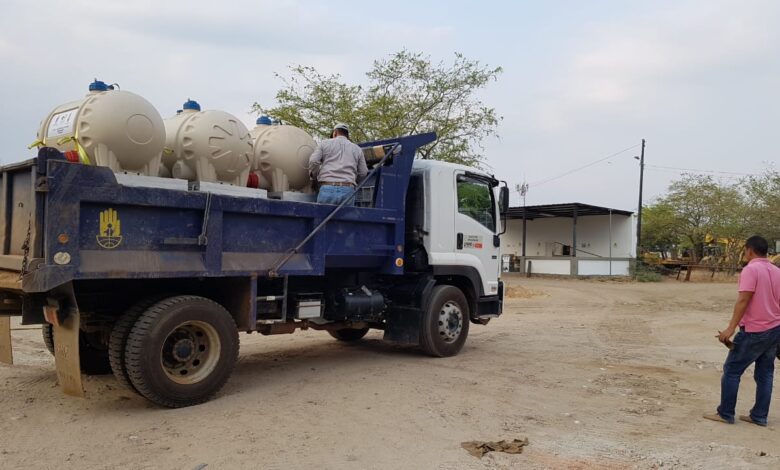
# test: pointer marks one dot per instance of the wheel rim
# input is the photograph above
(450, 322)
(190, 352)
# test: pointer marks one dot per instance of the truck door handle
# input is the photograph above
(460, 241)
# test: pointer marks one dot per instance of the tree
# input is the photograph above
(763, 201)
(697, 211)
(659, 228)
(406, 94)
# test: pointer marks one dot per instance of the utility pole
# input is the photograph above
(639, 211)
(523, 190)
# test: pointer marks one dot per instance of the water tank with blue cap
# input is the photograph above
(98, 85)
(211, 146)
(261, 124)
(191, 105)
(108, 127)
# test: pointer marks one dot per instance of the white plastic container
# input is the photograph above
(108, 127)
(281, 157)
(257, 179)
(212, 146)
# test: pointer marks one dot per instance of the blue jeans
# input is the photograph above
(761, 349)
(334, 194)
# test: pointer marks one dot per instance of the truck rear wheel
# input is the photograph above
(118, 341)
(445, 324)
(47, 330)
(348, 334)
(93, 356)
(181, 351)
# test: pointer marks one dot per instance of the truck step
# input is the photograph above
(269, 298)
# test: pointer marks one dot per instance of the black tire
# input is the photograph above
(118, 340)
(348, 334)
(445, 324)
(47, 330)
(203, 335)
(93, 358)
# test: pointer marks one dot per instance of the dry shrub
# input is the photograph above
(517, 292)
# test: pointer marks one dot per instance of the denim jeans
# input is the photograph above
(761, 349)
(334, 194)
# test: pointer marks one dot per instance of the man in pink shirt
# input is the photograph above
(757, 313)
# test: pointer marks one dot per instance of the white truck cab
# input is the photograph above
(461, 222)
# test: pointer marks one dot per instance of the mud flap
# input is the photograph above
(403, 325)
(66, 353)
(6, 351)
(404, 318)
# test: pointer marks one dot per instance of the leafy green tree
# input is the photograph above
(405, 94)
(763, 201)
(699, 210)
(659, 228)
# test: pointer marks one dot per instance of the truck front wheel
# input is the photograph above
(445, 324)
(181, 351)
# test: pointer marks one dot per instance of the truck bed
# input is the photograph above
(66, 221)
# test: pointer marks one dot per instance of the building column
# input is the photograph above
(574, 265)
(525, 230)
(574, 233)
(523, 261)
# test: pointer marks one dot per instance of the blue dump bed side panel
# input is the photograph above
(94, 228)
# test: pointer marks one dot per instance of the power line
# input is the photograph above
(567, 173)
(680, 173)
(695, 170)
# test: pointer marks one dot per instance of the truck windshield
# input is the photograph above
(475, 199)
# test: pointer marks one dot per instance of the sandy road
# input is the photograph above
(595, 374)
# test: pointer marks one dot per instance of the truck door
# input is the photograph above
(476, 227)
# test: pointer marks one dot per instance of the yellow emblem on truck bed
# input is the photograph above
(110, 234)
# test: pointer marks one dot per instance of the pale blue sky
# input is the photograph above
(697, 79)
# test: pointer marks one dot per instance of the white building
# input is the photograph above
(569, 239)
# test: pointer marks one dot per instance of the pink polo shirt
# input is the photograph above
(762, 278)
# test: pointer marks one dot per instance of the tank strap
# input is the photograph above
(83, 157)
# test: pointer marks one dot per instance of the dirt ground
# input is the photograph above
(595, 375)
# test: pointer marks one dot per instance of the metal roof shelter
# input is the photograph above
(571, 210)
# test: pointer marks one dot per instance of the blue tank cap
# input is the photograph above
(191, 104)
(97, 85)
(264, 121)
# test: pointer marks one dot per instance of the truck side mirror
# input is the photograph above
(503, 199)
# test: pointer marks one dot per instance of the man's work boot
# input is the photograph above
(715, 417)
(748, 419)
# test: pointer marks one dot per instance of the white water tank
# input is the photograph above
(108, 127)
(172, 126)
(212, 146)
(257, 179)
(281, 157)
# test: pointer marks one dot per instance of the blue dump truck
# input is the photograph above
(154, 284)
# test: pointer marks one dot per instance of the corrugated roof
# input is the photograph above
(562, 210)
